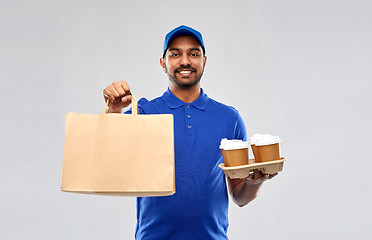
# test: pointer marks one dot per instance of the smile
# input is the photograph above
(185, 71)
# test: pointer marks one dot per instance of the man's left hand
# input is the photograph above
(257, 177)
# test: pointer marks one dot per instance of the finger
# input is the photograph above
(115, 93)
(257, 174)
(125, 86)
(118, 87)
(272, 175)
(108, 94)
(127, 98)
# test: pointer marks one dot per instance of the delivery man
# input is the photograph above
(199, 208)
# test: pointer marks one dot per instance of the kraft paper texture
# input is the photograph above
(119, 154)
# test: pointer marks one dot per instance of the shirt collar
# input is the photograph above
(174, 102)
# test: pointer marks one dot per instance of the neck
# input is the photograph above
(186, 95)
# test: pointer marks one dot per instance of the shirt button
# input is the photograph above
(189, 126)
(187, 106)
(188, 116)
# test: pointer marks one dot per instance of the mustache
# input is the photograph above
(185, 68)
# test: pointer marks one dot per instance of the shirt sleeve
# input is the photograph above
(240, 131)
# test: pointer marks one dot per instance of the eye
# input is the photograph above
(174, 55)
(195, 54)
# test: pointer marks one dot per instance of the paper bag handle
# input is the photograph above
(134, 106)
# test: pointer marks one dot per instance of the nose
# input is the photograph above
(185, 60)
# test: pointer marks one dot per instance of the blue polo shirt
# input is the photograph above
(199, 208)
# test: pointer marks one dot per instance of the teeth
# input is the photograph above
(185, 72)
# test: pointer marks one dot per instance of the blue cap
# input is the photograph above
(183, 31)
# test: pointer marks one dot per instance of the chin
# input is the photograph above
(184, 82)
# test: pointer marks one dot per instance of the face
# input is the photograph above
(184, 62)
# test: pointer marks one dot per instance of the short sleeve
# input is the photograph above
(240, 131)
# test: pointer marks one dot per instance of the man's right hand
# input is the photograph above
(119, 95)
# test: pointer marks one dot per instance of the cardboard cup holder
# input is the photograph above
(243, 171)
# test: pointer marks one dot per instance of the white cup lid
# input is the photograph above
(267, 141)
(264, 139)
(233, 144)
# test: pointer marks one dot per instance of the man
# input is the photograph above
(199, 208)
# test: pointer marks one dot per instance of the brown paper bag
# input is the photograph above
(119, 154)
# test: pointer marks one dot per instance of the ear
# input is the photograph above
(162, 64)
(205, 61)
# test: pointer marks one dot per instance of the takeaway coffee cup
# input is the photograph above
(253, 146)
(234, 152)
(265, 147)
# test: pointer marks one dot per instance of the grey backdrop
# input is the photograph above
(298, 69)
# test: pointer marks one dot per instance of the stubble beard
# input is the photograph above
(174, 79)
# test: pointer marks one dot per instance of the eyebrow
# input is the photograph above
(191, 49)
(194, 49)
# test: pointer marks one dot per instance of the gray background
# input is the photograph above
(297, 69)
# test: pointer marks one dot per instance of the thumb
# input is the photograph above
(126, 99)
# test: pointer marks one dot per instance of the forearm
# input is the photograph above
(243, 192)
